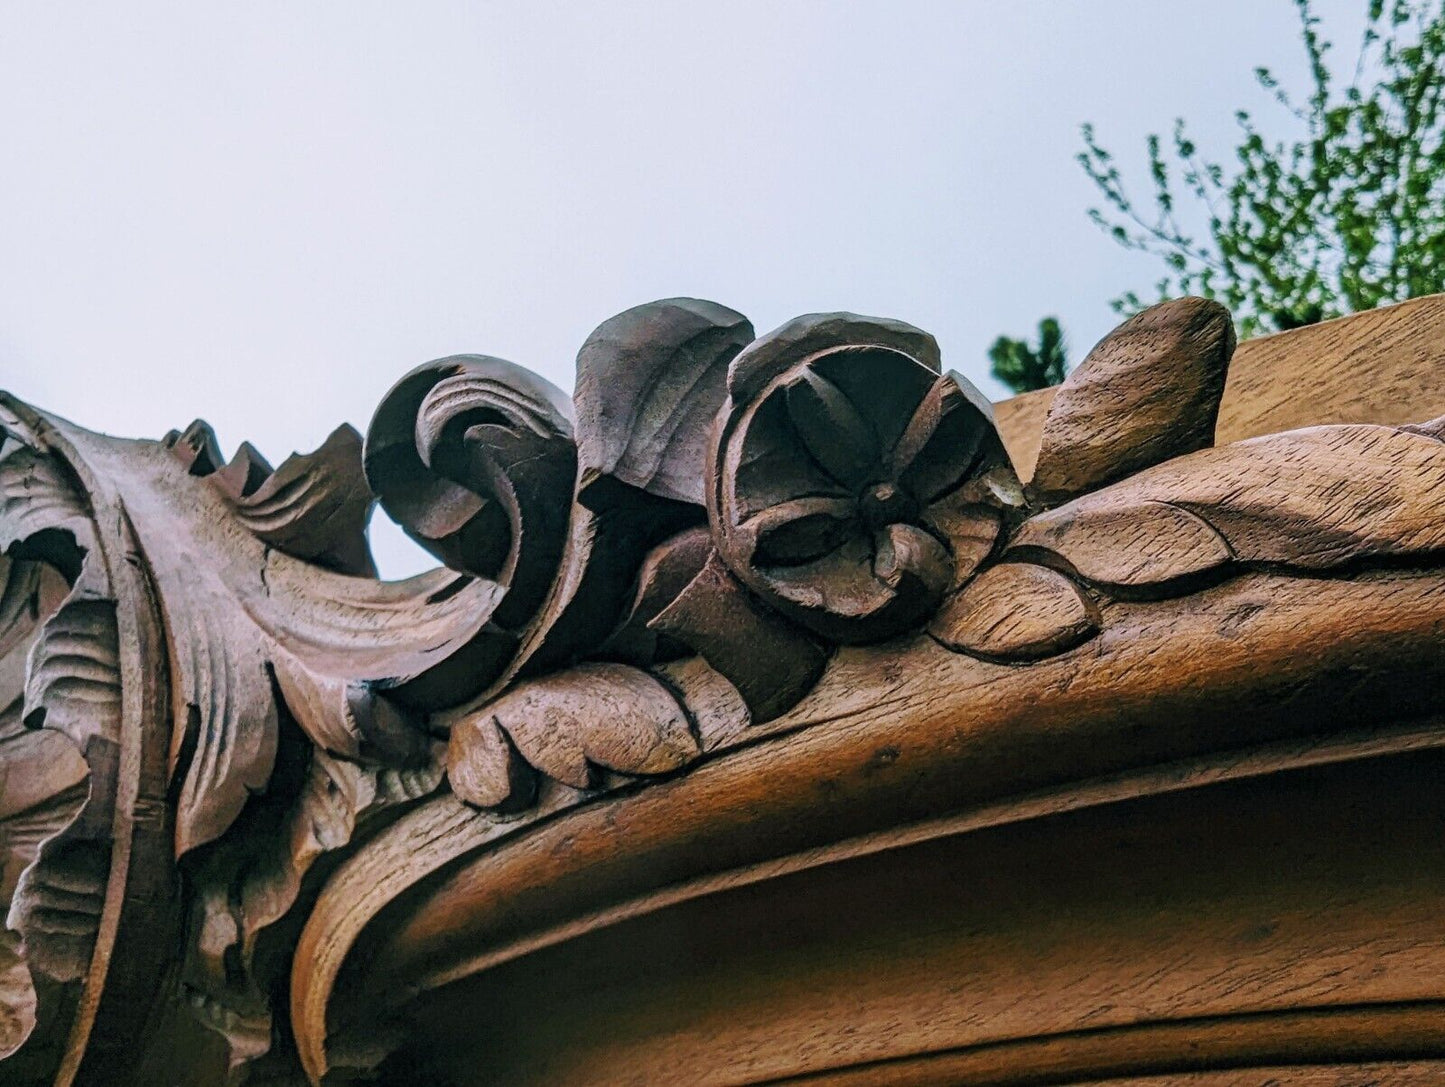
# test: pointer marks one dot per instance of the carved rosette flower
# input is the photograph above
(854, 484)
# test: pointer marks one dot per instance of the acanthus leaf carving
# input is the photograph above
(663, 366)
(314, 507)
(438, 453)
(649, 383)
(249, 885)
(17, 996)
(612, 716)
(59, 735)
(621, 598)
(72, 688)
(41, 515)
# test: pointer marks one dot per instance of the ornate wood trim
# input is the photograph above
(745, 614)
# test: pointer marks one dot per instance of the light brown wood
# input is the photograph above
(1382, 367)
(1016, 611)
(1148, 392)
(761, 728)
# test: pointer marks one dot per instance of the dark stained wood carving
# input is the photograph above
(755, 650)
(840, 461)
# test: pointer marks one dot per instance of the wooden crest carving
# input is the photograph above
(258, 807)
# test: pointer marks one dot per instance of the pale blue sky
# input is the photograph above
(264, 213)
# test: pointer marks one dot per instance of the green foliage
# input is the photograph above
(1347, 216)
(1022, 368)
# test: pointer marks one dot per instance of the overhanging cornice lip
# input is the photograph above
(891, 764)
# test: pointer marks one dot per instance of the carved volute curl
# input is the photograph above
(213, 704)
(473, 457)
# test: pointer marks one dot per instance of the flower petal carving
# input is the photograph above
(845, 463)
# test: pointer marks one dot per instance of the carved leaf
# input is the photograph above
(196, 448)
(73, 688)
(608, 715)
(1309, 499)
(17, 996)
(19, 589)
(58, 901)
(1149, 391)
(248, 886)
(347, 718)
(665, 573)
(371, 630)
(484, 766)
(315, 506)
(1016, 612)
(687, 598)
(1435, 428)
(44, 791)
(649, 383)
(716, 706)
(73, 675)
(38, 500)
(339, 795)
(771, 662)
(227, 747)
(1142, 543)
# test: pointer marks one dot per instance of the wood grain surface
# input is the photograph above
(1385, 366)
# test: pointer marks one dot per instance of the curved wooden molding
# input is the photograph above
(747, 613)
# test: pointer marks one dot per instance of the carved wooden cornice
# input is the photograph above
(741, 607)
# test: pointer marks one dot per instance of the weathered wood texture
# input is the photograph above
(1378, 367)
(761, 727)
